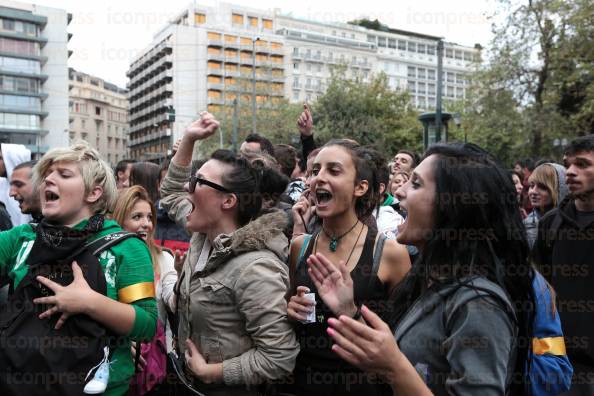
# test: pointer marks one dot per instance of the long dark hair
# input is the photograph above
(474, 193)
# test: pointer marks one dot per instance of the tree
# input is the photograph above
(538, 75)
(369, 112)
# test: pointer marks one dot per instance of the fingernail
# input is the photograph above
(330, 331)
(332, 321)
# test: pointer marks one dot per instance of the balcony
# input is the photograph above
(218, 101)
(217, 86)
(232, 73)
(216, 57)
(215, 72)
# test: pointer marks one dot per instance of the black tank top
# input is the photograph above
(316, 352)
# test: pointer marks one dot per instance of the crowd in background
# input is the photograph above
(326, 269)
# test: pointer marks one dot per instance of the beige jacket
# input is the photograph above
(234, 310)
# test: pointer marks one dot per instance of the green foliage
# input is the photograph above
(538, 83)
(368, 112)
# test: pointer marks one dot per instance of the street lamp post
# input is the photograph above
(254, 83)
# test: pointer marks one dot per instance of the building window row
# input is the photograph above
(20, 65)
(238, 19)
(12, 25)
(116, 116)
(20, 47)
(25, 102)
(19, 84)
(19, 121)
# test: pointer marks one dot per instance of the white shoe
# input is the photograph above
(99, 382)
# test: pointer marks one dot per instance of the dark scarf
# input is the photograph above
(60, 244)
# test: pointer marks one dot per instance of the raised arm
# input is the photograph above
(173, 195)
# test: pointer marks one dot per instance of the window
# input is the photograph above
(402, 45)
(449, 53)
(431, 74)
(295, 66)
(381, 42)
(199, 19)
(8, 24)
(253, 21)
(412, 47)
(296, 51)
(421, 48)
(295, 95)
(411, 72)
(422, 73)
(392, 43)
(267, 24)
(318, 68)
(458, 55)
(370, 38)
(421, 88)
(431, 89)
(97, 110)
(308, 67)
(430, 50)
(237, 19)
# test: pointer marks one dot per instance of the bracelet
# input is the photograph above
(357, 314)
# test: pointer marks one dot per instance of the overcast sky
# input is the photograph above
(107, 34)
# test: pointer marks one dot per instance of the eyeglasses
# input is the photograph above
(200, 181)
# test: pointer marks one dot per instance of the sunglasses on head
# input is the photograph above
(195, 180)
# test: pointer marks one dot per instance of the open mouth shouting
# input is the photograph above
(322, 198)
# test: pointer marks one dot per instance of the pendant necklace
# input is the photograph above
(335, 239)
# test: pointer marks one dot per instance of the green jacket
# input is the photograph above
(125, 265)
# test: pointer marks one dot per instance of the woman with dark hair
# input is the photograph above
(462, 320)
(345, 188)
(233, 328)
(147, 175)
(518, 180)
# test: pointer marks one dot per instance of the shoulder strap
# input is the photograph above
(377, 252)
(103, 243)
(306, 239)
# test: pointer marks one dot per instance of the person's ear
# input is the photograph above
(229, 202)
(94, 195)
(361, 188)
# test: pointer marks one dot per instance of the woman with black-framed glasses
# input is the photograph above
(233, 332)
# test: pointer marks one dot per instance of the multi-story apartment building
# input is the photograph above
(209, 56)
(98, 115)
(33, 76)
(206, 58)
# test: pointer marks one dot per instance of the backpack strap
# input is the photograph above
(103, 243)
(377, 254)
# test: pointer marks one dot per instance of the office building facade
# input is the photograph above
(33, 76)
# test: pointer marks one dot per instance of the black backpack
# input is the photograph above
(36, 359)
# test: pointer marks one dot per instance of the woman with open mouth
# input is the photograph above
(345, 189)
(463, 320)
(234, 335)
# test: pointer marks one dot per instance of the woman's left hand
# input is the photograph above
(371, 348)
(69, 300)
(334, 284)
(196, 362)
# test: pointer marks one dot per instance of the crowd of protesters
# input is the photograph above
(317, 270)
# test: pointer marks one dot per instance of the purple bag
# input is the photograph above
(155, 371)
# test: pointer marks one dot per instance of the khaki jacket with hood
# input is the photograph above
(234, 310)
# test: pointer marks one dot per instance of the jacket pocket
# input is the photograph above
(217, 293)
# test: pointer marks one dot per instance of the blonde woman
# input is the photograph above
(77, 188)
(546, 189)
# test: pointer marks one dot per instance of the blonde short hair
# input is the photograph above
(94, 170)
(547, 177)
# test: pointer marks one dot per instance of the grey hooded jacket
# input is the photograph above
(234, 310)
(460, 338)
